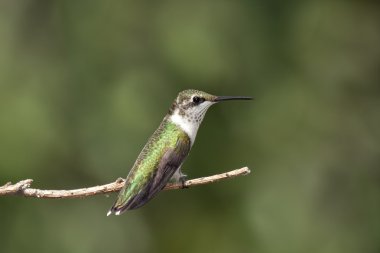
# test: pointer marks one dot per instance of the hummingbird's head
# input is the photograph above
(192, 104)
(190, 107)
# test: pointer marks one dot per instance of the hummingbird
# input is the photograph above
(161, 158)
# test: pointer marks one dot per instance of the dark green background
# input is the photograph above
(83, 84)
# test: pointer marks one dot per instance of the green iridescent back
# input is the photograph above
(165, 137)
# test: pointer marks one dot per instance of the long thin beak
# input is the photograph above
(224, 98)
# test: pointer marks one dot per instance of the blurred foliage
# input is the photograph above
(83, 84)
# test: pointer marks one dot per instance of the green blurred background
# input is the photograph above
(84, 84)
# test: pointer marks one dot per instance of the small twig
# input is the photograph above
(23, 187)
(210, 179)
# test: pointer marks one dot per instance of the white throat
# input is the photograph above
(191, 121)
(190, 127)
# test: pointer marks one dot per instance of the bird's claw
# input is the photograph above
(182, 179)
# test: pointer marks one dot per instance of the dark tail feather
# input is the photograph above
(133, 203)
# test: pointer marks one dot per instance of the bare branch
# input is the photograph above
(22, 188)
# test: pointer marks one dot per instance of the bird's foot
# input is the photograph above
(182, 179)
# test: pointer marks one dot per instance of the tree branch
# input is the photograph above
(23, 187)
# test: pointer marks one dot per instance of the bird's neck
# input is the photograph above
(187, 123)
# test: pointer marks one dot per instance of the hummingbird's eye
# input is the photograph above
(198, 100)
